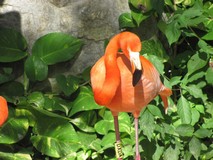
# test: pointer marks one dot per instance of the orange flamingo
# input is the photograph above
(3, 110)
(125, 81)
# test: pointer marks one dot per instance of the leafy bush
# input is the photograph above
(53, 114)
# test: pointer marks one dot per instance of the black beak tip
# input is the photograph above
(136, 77)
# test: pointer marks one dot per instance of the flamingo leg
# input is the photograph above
(137, 157)
(118, 148)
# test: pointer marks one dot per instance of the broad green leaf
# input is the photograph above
(104, 126)
(200, 108)
(12, 45)
(85, 121)
(35, 68)
(208, 36)
(195, 147)
(209, 76)
(86, 139)
(195, 116)
(209, 108)
(6, 75)
(12, 89)
(147, 124)
(14, 156)
(171, 153)
(204, 47)
(126, 21)
(67, 84)
(173, 32)
(108, 140)
(158, 152)
(107, 124)
(57, 104)
(195, 91)
(185, 130)
(154, 47)
(203, 133)
(13, 130)
(169, 129)
(138, 17)
(208, 123)
(195, 76)
(56, 137)
(184, 110)
(36, 98)
(175, 80)
(155, 111)
(157, 62)
(197, 61)
(181, 59)
(56, 47)
(149, 148)
(84, 102)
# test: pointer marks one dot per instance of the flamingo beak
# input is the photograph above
(136, 67)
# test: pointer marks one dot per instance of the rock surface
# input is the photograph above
(93, 21)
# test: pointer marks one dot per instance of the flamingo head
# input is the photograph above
(131, 46)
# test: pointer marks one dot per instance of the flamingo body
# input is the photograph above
(3, 111)
(112, 79)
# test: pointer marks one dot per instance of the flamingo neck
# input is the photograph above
(112, 77)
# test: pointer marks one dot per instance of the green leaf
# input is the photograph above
(8, 89)
(208, 36)
(13, 130)
(56, 137)
(57, 104)
(175, 80)
(37, 99)
(138, 17)
(67, 84)
(56, 47)
(173, 32)
(195, 117)
(36, 69)
(147, 124)
(197, 61)
(204, 47)
(125, 20)
(208, 76)
(208, 123)
(195, 76)
(14, 156)
(85, 121)
(158, 152)
(157, 62)
(171, 153)
(195, 91)
(154, 47)
(86, 139)
(195, 147)
(185, 130)
(84, 102)
(107, 124)
(12, 45)
(184, 110)
(203, 133)
(155, 111)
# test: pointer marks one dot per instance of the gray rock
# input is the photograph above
(91, 20)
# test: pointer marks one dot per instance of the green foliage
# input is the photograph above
(181, 51)
(54, 115)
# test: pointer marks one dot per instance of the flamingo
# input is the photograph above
(126, 82)
(3, 110)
